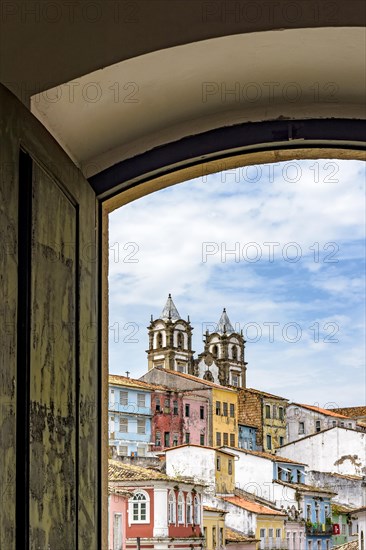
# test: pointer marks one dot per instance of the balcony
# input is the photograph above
(318, 528)
(273, 544)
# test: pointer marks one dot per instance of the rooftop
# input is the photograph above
(212, 509)
(319, 410)
(352, 412)
(194, 379)
(305, 488)
(120, 472)
(125, 381)
(224, 326)
(253, 506)
(265, 394)
(219, 449)
(170, 312)
(235, 536)
(268, 456)
(353, 545)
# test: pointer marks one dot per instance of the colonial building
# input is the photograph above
(247, 437)
(161, 511)
(222, 360)
(344, 524)
(222, 413)
(170, 341)
(130, 415)
(350, 489)
(214, 527)
(303, 420)
(265, 411)
(213, 467)
(339, 450)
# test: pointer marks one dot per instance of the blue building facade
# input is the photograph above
(285, 471)
(247, 437)
(129, 416)
(318, 521)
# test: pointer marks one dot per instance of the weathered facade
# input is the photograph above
(267, 412)
(303, 420)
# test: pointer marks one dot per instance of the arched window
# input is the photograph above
(180, 508)
(180, 341)
(189, 508)
(171, 507)
(215, 351)
(234, 353)
(139, 507)
(196, 510)
(159, 340)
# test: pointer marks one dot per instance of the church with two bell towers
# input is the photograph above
(170, 347)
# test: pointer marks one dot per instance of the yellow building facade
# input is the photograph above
(224, 416)
(271, 530)
(213, 527)
(224, 472)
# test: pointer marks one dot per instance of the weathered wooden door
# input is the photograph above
(49, 424)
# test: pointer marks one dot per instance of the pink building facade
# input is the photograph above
(195, 420)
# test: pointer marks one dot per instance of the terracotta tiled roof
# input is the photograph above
(116, 380)
(341, 509)
(265, 394)
(268, 456)
(118, 471)
(352, 412)
(195, 379)
(211, 509)
(362, 509)
(235, 536)
(353, 545)
(121, 491)
(199, 447)
(326, 412)
(305, 488)
(253, 506)
(344, 476)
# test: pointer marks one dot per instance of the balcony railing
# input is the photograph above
(319, 529)
(273, 544)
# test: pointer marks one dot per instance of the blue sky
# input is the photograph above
(282, 247)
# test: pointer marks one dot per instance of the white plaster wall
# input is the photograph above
(237, 518)
(349, 491)
(195, 462)
(252, 473)
(296, 414)
(338, 450)
(361, 522)
(160, 503)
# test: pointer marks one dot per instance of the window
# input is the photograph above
(157, 404)
(232, 440)
(218, 464)
(234, 353)
(166, 406)
(123, 450)
(221, 537)
(282, 441)
(180, 367)
(319, 544)
(187, 437)
(166, 439)
(269, 442)
(171, 507)
(317, 425)
(202, 413)
(224, 409)
(175, 440)
(232, 410)
(141, 426)
(123, 425)
(350, 424)
(317, 513)
(278, 533)
(141, 400)
(202, 439)
(274, 411)
(139, 507)
(235, 379)
(218, 439)
(180, 508)
(327, 545)
(175, 407)
(180, 340)
(157, 439)
(280, 413)
(196, 510)
(298, 476)
(218, 408)
(214, 542)
(270, 533)
(141, 450)
(187, 410)
(342, 424)
(230, 467)
(215, 351)
(226, 438)
(159, 340)
(262, 533)
(123, 398)
(268, 411)
(189, 508)
(301, 427)
(309, 544)
(334, 423)
(344, 529)
(308, 512)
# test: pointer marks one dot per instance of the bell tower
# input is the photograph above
(170, 341)
(223, 358)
